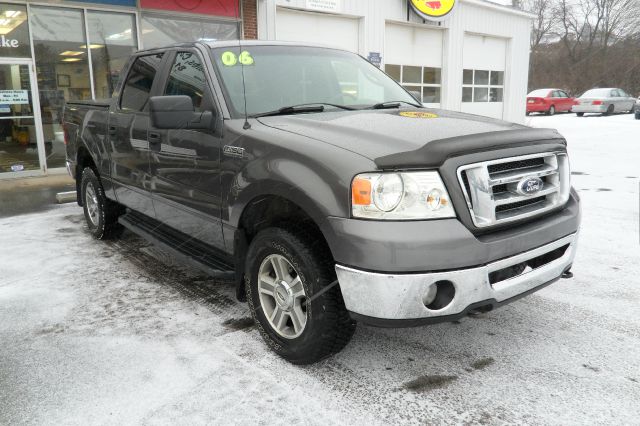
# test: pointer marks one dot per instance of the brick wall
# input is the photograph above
(250, 19)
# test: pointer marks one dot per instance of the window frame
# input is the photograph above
(422, 85)
(487, 86)
(154, 86)
(210, 101)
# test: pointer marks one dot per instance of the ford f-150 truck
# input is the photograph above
(322, 189)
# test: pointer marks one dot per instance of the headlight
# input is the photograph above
(400, 196)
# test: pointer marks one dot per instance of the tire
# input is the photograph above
(324, 326)
(527, 113)
(637, 115)
(552, 110)
(100, 213)
(610, 110)
(580, 114)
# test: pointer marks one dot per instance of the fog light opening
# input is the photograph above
(439, 295)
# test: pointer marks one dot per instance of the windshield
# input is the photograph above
(540, 93)
(596, 93)
(281, 76)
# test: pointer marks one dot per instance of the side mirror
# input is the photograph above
(177, 112)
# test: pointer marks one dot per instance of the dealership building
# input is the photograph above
(465, 55)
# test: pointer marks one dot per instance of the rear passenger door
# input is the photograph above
(128, 134)
(185, 163)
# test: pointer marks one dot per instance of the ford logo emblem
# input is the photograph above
(529, 186)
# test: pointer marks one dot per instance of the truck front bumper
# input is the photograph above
(387, 299)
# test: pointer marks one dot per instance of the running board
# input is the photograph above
(189, 250)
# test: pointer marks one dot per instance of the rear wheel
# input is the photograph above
(100, 213)
(610, 110)
(285, 275)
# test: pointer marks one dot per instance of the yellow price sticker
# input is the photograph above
(229, 58)
(418, 114)
(246, 58)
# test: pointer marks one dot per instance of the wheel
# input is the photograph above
(637, 115)
(580, 114)
(283, 272)
(100, 213)
(552, 110)
(527, 113)
(610, 110)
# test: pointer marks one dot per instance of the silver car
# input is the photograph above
(604, 101)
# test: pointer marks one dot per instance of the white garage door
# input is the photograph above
(413, 56)
(483, 61)
(319, 28)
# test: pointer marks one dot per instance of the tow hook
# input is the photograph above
(567, 274)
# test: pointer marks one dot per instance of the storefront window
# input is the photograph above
(158, 31)
(18, 138)
(63, 70)
(112, 39)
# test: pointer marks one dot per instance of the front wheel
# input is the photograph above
(580, 114)
(286, 278)
(552, 110)
(100, 213)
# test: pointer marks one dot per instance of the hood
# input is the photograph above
(380, 133)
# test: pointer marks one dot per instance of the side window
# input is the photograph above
(187, 78)
(563, 94)
(136, 90)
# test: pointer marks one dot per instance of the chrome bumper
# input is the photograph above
(399, 296)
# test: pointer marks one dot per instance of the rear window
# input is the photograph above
(597, 93)
(540, 93)
(136, 90)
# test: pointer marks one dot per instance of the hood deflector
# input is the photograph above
(434, 153)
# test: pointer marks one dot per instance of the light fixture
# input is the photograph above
(72, 53)
(92, 46)
(11, 13)
(71, 59)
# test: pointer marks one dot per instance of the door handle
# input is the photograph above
(113, 130)
(153, 137)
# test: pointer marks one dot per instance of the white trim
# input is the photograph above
(87, 43)
(500, 8)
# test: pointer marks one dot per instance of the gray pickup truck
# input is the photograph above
(322, 189)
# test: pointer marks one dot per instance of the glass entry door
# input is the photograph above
(20, 127)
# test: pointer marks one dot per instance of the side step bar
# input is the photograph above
(189, 250)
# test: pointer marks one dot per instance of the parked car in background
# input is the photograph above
(549, 101)
(604, 101)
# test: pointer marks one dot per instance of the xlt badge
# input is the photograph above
(233, 151)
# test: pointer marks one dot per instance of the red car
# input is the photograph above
(549, 101)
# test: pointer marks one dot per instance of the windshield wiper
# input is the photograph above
(391, 104)
(300, 109)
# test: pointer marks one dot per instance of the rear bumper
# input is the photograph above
(386, 299)
(537, 107)
(590, 108)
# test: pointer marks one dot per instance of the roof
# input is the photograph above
(243, 43)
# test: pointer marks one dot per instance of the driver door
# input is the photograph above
(185, 163)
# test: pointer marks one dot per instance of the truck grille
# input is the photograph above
(509, 189)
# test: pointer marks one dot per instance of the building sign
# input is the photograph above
(130, 3)
(14, 97)
(433, 10)
(324, 5)
(228, 8)
(375, 58)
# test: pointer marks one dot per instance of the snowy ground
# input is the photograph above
(115, 333)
